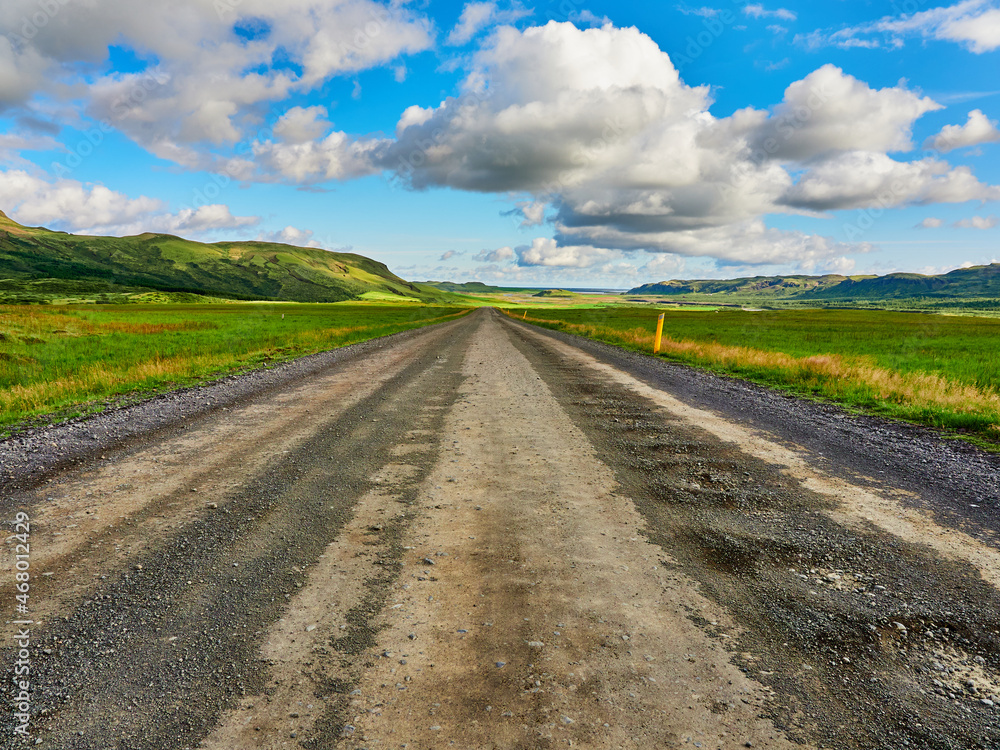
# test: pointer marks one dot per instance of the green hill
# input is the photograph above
(977, 282)
(962, 283)
(39, 263)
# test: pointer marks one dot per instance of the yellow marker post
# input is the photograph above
(525, 316)
(659, 334)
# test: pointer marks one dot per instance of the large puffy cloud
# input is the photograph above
(95, 209)
(831, 111)
(598, 125)
(552, 103)
(857, 179)
(218, 64)
(978, 129)
(554, 108)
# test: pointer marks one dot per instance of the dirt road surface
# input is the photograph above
(485, 535)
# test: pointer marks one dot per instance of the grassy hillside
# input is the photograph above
(978, 283)
(777, 286)
(962, 283)
(37, 264)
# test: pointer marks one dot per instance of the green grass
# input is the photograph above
(933, 369)
(67, 359)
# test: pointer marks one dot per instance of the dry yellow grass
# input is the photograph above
(52, 359)
(104, 378)
(832, 375)
(99, 378)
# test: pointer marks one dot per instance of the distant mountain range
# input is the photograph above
(962, 283)
(466, 287)
(38, 261)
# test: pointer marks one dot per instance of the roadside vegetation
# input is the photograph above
(65, 360)
(942, 371)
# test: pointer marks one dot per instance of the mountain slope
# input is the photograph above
(238, 270)
(756, 285)
(977, 281)
(962, 283)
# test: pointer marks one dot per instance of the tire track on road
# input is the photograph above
(869, 639)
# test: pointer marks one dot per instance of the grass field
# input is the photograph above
(64, 359)
(933, 369)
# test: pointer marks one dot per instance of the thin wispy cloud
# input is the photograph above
(978, 222)
(757, 10)
(477, 16)
(975, 24)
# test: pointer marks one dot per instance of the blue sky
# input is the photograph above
(556, 143)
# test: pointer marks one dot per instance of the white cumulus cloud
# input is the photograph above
(978, 222)
(598, 125)
(216, 63)
(544, 251)
(95, 209)
(977, 129)
(860, 179)
(290, 235)
(829, 110)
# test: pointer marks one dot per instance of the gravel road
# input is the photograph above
(486, 535)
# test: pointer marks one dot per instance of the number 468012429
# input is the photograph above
(22, 529)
